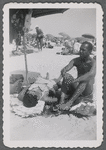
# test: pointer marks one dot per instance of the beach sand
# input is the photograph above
(63, 127)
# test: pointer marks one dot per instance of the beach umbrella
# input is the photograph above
(65, 36)
(50, 36)
(42, 12)
(81, 39)
(59, 38)
(20, 21)
(89, 36)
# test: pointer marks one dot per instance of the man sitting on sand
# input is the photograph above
(81, 86)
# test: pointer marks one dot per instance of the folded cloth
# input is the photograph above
(84, 109)
(41, 80)
(85, 105)
(35, 86)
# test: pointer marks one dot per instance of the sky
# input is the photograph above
(74, 22)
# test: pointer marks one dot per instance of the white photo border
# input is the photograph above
(99, 86)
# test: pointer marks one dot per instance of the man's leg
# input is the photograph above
(41, 43)
(79, 90)
(38, 43)
(67, 88)
(67, 84)
(16, 47)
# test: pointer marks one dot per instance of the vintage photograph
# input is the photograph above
(52, 75)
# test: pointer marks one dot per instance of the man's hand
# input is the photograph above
(67, 68)
(56, 80)
(65, 106)
(63, 72)
(75, 81)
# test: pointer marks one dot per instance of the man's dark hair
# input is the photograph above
(90, 46)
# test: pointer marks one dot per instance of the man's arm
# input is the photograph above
(67, 68)
(64, 70)
(88, 75)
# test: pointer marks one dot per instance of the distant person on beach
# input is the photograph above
(71, 88)
(49, 45)
(18, 41)
(44, 43)
(39, 38)
(68, 48)
(76, 47)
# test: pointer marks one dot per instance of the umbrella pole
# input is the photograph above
(25, 57)
(26, 28)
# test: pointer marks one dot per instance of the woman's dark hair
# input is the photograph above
(30, 100)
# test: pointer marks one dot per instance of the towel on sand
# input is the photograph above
(17, 107)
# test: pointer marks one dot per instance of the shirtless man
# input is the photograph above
(83, 84)
(39, 37)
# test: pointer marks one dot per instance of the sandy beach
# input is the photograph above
(63, 127)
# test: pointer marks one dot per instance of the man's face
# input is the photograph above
(84, 52)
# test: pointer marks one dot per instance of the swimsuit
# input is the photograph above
(38, 33)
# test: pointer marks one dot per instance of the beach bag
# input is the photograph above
(16, 83)
(15, 77)
(16, 87)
